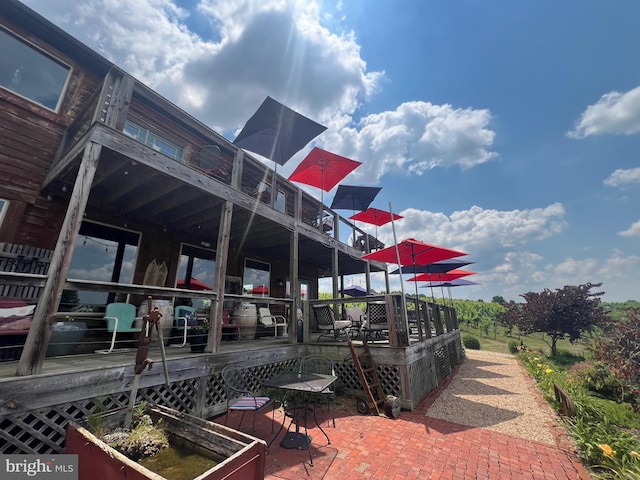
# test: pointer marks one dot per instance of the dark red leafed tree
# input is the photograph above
(563, 313)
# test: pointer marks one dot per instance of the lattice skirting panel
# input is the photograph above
(43, 431)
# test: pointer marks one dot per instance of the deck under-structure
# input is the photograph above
(35, 409)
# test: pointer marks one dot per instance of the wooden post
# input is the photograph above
(222, 256)
(37, 341)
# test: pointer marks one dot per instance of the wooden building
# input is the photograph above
(88, 153)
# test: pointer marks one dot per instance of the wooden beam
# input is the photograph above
(35, 347)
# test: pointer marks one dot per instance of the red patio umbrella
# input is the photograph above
(260, 290)
(323, 170)
(375, 216)
(194, 284)
(442, 277)
(413, 252)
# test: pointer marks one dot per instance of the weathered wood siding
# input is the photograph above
(29, 139)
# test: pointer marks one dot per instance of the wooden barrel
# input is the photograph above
(246, 317)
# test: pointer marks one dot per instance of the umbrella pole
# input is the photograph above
(404, 300)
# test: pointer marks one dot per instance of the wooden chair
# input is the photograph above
(120, 318)
(272, 321)
(240, 387)
(323, 365)
(326, 322)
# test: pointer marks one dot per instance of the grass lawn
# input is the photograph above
(533, 342)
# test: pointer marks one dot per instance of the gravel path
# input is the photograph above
(492, 390)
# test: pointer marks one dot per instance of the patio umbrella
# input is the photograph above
(442, 277)
(260, 290)
(375, 216)
(459, 282)
(443, 266)
(276, 132)
(353, 197)
(323, 170)
(355, 291)
(413, 252)
(193, 284)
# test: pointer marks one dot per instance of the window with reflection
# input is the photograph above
(196, 271)
(102, 253)
(256, 279)
(4, 204)
(281, 201)
(30, 72)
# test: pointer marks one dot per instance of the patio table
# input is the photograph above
(309, 385)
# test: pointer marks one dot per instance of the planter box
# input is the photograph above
(243, 456)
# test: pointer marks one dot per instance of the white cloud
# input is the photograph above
(275, 48)
(622, 177)
(632, 231)
(615, 113)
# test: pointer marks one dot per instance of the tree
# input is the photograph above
(619, 348)
(567, 312)
(498, 299)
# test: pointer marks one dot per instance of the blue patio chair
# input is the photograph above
(120, 318)
(185, 318)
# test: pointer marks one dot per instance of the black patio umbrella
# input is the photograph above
(277, 132)
(353, 197)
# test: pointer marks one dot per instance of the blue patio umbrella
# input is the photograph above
(354, 197)
(355, 291)
(443, 266)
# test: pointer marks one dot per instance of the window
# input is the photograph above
(281, 201)
(153, 140)
(31, 73)
(257, 278)
(4, 204)
(197, 268)
(102, 253)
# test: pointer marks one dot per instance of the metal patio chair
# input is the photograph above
(375, 319)
(326, 322)
(120, 318)
(272, 321)
(240, 385)
(323, 365)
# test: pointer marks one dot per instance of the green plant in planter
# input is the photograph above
(143, 440)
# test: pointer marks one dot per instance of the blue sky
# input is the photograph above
(509, 130)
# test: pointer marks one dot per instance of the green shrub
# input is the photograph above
(471, 342)
(513, 346)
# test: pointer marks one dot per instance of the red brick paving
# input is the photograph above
(413, 446)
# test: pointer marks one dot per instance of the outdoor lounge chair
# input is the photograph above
(120, 318)
(272, 321)
(239, 386)
(326, 322)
